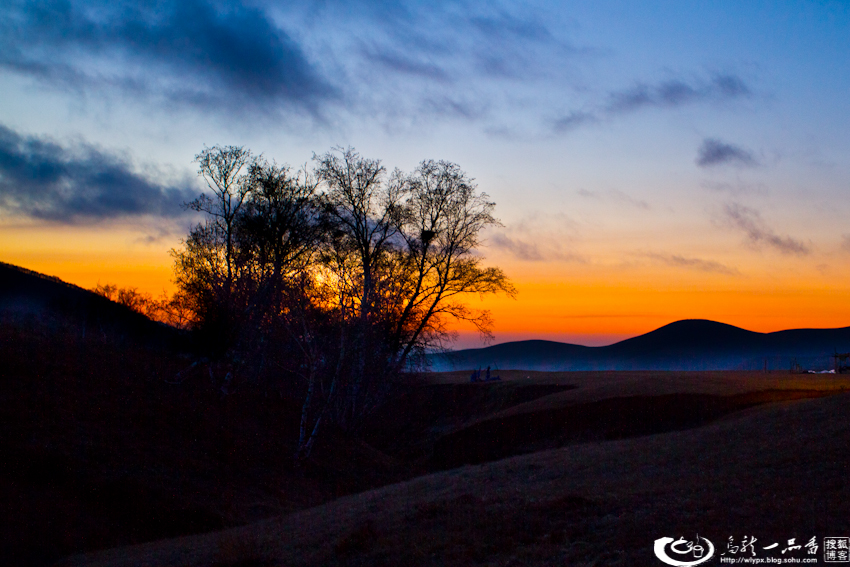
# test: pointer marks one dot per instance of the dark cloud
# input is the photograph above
(729, 86)
(387, 60)
(750, 222)
(694, 264)
(676, 92)
(714, 152)
(229, 55)
(44, 180)
(671, 93)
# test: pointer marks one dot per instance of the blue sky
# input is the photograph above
(639, 148)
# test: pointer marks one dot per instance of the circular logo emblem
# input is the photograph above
(682, 552)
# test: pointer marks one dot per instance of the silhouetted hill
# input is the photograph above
(26, 295)
(693, 344)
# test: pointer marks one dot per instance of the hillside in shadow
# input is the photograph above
(28, 298)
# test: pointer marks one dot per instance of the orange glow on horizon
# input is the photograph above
(86, 256)
(596, 314)
(583, 304)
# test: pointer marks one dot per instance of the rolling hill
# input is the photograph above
(693, 344)
(28, 297)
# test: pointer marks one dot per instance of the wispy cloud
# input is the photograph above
(713, 152)
(539, 238)
(401, 64)
(615, 195)
(42, 179)
(671, 93)
(574, 120)
(522, 248)
(736, 188)
(750, 222)
(618, 195)
(518, 248)
(455, 107)
(693, 263)
(406, 59)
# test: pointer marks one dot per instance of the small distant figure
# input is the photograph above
(476, 376)
(228, 387)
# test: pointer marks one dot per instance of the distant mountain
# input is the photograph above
(26, 295)
(693, 344)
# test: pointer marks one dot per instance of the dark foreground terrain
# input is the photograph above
(116, 435)
(777, 471)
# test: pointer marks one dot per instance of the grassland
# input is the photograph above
(770, 459)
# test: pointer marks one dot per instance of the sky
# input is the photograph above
(650, 161)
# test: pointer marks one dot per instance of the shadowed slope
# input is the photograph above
(506, 434)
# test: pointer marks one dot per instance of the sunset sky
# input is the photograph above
(650, 161)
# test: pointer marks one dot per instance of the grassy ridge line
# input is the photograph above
(39, 275)
(779, 471)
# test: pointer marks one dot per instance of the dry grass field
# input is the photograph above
(650, 454)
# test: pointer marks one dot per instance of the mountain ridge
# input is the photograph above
(688, 344)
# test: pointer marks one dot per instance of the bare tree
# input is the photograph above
(279, 223)
(442, 225)
(362, 209)
(362, 212)
(108, 291)
(222, 169)
(399, 258)
(175, 310)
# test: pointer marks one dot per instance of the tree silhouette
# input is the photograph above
(344, 275)
(222, 169)
(174, 310)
